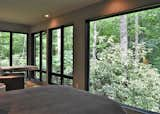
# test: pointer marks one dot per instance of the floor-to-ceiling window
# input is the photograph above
(62, 55)
(13, 49)
(124, 58)
(40, 55)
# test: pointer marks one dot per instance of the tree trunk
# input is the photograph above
(136, 37)
(123, 38)
(94, 41)
(24, 47)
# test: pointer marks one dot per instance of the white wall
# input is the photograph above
(107, 8)
(4, 26)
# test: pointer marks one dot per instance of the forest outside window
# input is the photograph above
(125, 59)
(68, 51)
(37, 53)
(19, 53)
(62, 55)
(4, 49)
(40, 55)
(13, 49)
(56, 51)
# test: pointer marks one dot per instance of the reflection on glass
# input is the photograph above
(19, 55)
(56, 51)
(68, 50)
(4, 48)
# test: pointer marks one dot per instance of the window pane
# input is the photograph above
(37, 50)
(4, 48)
(68, 50)
(125, 59)
(56, 80)
(68, 82)
(56, 51)
(19, 55)
(44, 77)
(44, 57)
(37, 54)
(37, 75)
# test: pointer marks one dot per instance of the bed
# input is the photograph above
(56, 100)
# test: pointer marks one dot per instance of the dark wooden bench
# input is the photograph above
(12, 82)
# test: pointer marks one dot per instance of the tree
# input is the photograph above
(94, 42)
(140, 89)
(123, 38)
(127, 40)
(136, 37)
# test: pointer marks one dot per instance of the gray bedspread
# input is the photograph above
(56, 100)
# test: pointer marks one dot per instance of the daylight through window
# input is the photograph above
(125, 59)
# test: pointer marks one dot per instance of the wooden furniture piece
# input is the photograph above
(12, 82)
(10, 69)
(2, 87)
(19, 68)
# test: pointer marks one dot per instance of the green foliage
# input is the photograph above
(19, 54)
(154, 57)
(68, 51)
(135, 84)
(137, 81)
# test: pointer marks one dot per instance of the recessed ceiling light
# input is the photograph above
(47, 16)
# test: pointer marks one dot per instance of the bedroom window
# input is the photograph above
(40, 55)
(13, 49)
(62, 55)
(124, 59)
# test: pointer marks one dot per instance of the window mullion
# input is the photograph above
(40, 57)
(11, 49)
(62, 53)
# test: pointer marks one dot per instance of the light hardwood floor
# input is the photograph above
(32, 83)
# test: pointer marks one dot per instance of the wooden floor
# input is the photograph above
(33, 83)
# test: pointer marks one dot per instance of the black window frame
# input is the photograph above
(11, 45)
(33, 57)
(87, 49)
(62, 76)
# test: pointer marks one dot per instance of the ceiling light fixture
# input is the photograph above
(47, 16)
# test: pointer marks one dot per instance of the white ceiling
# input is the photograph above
(30, 12)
